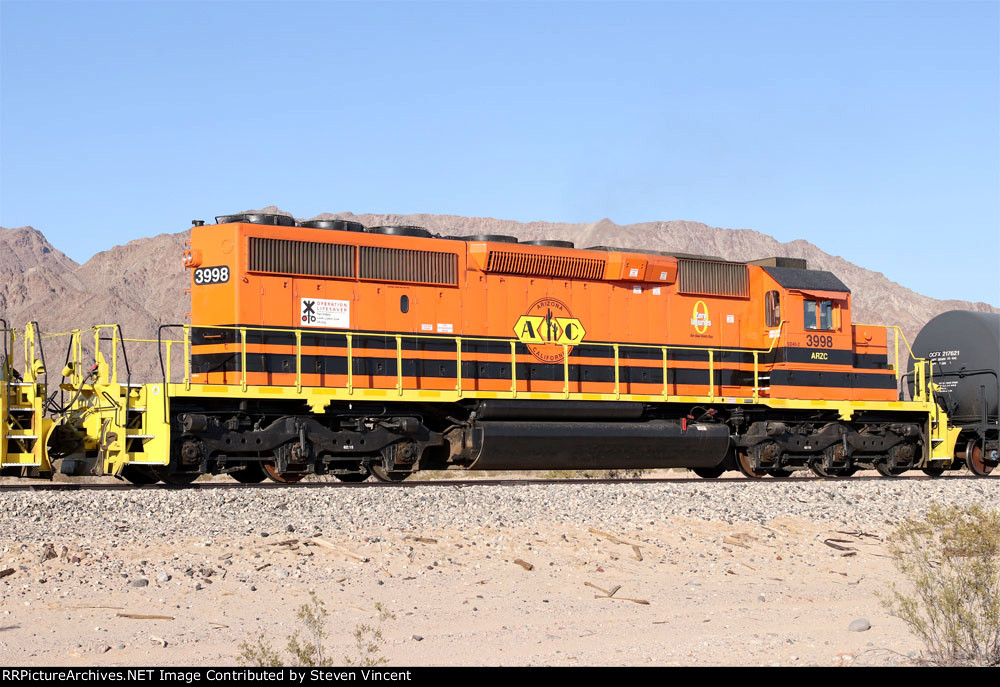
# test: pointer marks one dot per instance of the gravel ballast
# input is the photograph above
(635, 573)
(30, 516)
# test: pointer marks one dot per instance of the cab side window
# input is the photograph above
(772, 309)
(818, 314)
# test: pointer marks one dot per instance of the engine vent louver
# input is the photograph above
(415, 266)
(310, 258)
(505, 262)
(713, 278)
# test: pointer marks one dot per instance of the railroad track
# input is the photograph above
(212, 486)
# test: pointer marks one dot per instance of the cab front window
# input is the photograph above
(818, 314)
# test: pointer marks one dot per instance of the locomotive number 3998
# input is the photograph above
(211, 275)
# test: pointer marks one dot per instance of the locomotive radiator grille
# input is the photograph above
(714, 278)
(507, 262)
(280, 256)
(402, 265)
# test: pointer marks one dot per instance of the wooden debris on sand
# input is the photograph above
(610, 594)
(616, 540)
(318, 541)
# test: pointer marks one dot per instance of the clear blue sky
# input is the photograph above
(871, 129)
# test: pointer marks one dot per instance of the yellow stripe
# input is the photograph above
(177, 390)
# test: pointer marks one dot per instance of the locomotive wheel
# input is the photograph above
(383, 475)
(933, 472)
(139, 474)
(253, 473)
(974, 459)
(708, 473)
(817, 467)
(282, 477)
(354, 477)
(882, 467)
(745, 463)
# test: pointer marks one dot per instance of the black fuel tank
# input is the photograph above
(532, 445)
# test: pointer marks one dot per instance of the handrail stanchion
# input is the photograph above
(350, 365)
(298, 361)
(77, 358)
(618, 391)
(711, 374)
(399, 365)
(243, 358)
(187, 358)
(930, 380)
(458, 366)
(168, 342)
(921, 382)
(114, 355)
(663, 349)
(97, 347)
(756, 378)
(895, 340)
(566, 370)
(513, 369)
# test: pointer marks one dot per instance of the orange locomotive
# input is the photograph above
(603, 357)
(546, 296)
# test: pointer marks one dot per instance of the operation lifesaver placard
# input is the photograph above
(321, 312)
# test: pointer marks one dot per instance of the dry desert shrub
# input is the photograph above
(306, 648)
(951, 559)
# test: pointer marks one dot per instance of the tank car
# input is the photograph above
(964, 350)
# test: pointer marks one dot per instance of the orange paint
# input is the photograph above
(470, 289)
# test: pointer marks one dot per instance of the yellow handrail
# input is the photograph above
(458, 366)
(898, 333)
(756, 376)
(566, 370)
(664, 352)
(513, 368)
(711, 373)
(399, 365)
(618, 391)
(186, 340)
(350, 365)
(243, 358)
(923, 369)
(298, 360)
(187, 359)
